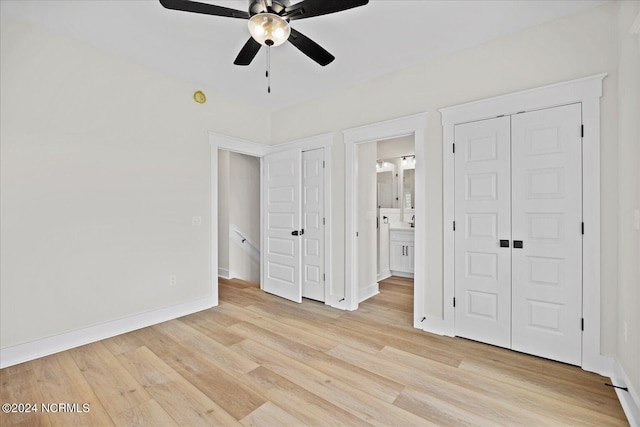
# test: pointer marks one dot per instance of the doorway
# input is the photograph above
(396, 197)
(239, 216)
(319, 154)
(413, 127)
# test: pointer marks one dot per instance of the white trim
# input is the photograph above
(223, 272)
(587, 91)
(629, 400)
(385, 274)
(31, 350)
(402, 274)
(237, 145)
(415, 125)
(324, 140)
(368, 292)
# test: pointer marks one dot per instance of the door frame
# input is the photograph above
(415, 125)
(237, 145)
(587, 91)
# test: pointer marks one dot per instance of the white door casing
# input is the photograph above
(547, 218)
(587, 91)
(518, 240)
(282, 224)
(313, 283)
(482, 220)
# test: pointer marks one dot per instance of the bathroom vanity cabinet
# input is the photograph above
(401, 252)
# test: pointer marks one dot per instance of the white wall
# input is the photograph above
(244, 213)
(367, 232)
(396, 147)
(628, 348)
(569, 48)
(103, 164)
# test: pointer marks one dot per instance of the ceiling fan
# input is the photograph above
(269, 23)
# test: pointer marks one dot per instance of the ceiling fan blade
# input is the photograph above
(207, 9)
(309, 8)
(248, 52)
(310, 48)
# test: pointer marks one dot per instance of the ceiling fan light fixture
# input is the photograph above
(269, 29)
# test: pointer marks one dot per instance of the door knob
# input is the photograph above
(518, 244)
(295, 233)
(504, 243)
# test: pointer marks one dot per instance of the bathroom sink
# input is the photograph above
(400, 226)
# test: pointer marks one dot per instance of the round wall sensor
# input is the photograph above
(199, 97)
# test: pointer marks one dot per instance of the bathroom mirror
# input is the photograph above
(409, 189)
(387, 185)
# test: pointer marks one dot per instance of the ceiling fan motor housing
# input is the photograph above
(260, 6)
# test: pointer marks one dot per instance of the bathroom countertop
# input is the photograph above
(401, 228)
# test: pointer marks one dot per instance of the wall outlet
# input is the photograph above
(636, 219)
(196, 221)
(173, 280)
(624, 331)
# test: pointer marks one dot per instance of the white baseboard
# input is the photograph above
(385, 274)
(368, 292)
(224, 273)
(630, 400)
(436, 325)
(401, 274)
(13, 355)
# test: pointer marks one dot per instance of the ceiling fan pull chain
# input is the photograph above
(268, 69)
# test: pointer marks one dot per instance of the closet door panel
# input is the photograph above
(482, 218)
(547, 216)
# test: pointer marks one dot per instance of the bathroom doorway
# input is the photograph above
(386, 220)
(395, 198)
(413, 127)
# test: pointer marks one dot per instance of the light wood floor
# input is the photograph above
(260, 360)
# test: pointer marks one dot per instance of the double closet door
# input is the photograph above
(518, 232)
(293, 199)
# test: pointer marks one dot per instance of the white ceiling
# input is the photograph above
(368, 41)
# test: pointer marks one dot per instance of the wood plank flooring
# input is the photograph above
(259, 360)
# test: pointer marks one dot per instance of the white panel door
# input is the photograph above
(482, 219)
(282, 189)
(547, 218)
(313, 224)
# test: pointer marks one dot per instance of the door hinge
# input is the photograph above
(582, 324)
(582, 131)
(454, 226)
(323, 164)
(323, 221)
(454, 302)
(357, 234)
(454, 148)
(583, 228)
(324, 277)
